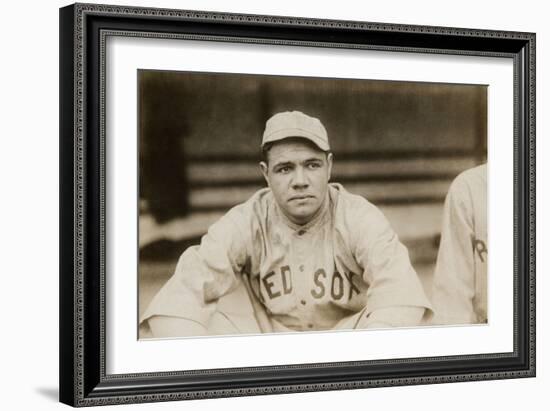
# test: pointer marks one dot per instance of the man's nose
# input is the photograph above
(300, 178)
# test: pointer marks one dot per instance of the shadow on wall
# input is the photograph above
(393, 142)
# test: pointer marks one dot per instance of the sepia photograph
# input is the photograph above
(273, 204)
(267, 204)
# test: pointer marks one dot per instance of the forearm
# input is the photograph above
(163, 326)
(400, 316)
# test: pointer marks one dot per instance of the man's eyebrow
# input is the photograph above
(283, 164)
(291, 163)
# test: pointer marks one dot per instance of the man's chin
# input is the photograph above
(302, 217)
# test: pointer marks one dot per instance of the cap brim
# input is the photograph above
(296, 132)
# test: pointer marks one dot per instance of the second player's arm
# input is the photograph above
(453, 284)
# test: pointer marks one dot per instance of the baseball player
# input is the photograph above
(460, 278)
(302, 254)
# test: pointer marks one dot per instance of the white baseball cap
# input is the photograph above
(295, 124)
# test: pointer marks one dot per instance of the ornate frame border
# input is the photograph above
(83, 32)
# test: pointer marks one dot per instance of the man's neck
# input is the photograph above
(311, 221)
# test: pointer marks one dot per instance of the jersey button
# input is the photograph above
(303, 302)
(301, 267)
(301, 232)
(310, 326)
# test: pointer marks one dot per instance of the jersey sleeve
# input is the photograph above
(205, 272)
(453, 285)
(387, 269)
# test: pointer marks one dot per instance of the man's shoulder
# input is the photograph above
(345, 201)
(245, 217)
(469, 180)
(257, 205)
(356, 219)
(474, 174)
(353, 210)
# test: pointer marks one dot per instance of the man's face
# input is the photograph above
(297, 173)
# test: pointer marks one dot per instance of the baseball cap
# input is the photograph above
(295, 124)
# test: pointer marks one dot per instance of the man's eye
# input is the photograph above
(283, 170)
(314, 165)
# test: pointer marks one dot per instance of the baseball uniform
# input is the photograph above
(346, 260)
(460, 278)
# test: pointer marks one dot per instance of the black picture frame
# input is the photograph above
(83, 380)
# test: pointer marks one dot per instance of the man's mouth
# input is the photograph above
(301, 197)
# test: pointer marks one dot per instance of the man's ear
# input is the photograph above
(329, 161)
(264, 168)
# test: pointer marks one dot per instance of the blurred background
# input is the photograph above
(399, 144)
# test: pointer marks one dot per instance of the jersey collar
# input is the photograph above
(312, 224)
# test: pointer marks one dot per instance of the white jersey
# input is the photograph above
(308, 277)
(460, 279)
